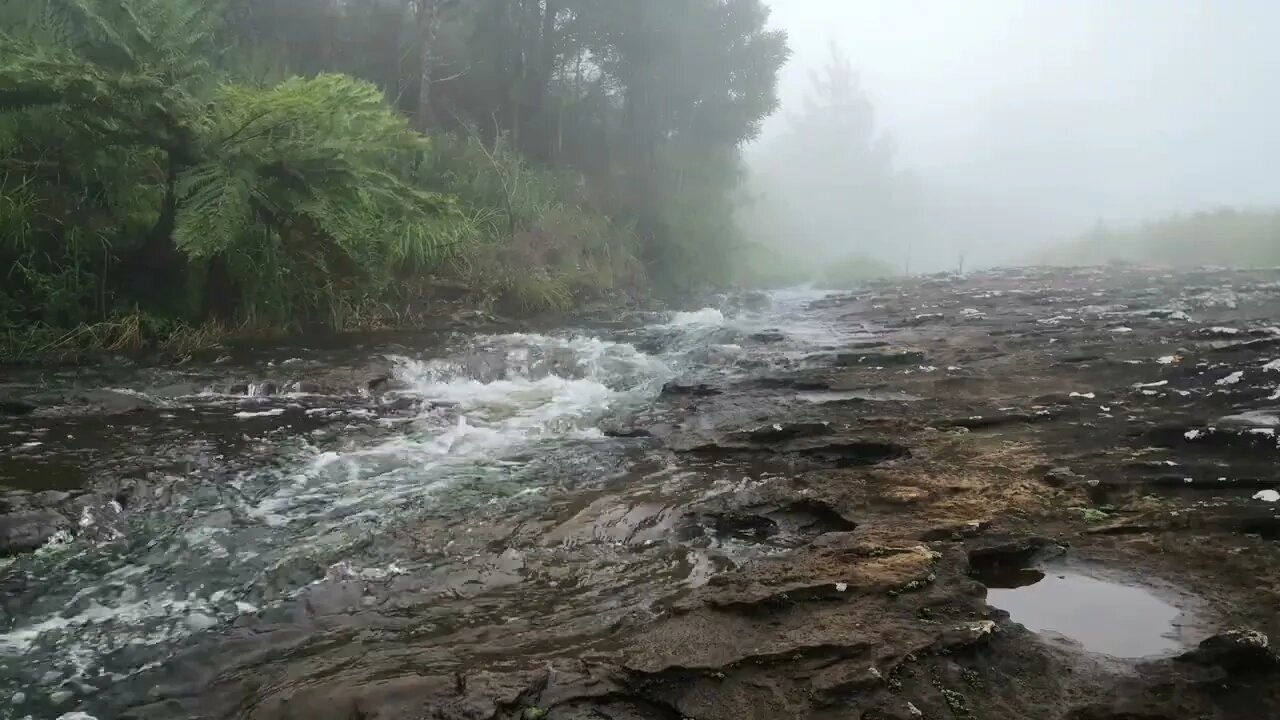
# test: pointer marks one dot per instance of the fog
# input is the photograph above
(1017, 123)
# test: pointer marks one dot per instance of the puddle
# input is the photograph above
(1100, 615)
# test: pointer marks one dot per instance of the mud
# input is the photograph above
(1019, 494)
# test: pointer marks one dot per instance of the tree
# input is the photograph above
(831, 177)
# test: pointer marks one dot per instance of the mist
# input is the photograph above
(1008, 126)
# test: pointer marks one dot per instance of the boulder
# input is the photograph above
(112, 402)
(1238, 651)
(27, 530)
(16, 407)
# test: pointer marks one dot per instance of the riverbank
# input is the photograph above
(1017, 494)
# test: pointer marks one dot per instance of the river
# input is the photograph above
(437, 501)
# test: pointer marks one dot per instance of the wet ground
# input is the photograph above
(1016, 494)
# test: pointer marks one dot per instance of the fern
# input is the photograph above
(306, 181)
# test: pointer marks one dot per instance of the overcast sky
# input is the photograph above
(1063, 111)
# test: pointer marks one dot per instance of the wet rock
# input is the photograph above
(27, 530)
(923, 319)
(1237, 651)
(1080, 358)
(1002, 554)
(112, 402)
(266, 389)
(879, 359)
(379, 384)
(767, 337)
(699, 390)
(471, 319)
(856, 454)
(966, 635)
(49, 498)
(796, 384)
(986, 422)
(959, 531)
(400, 404)
(14, 500)
(614, 430)
(307, 387)
(782, 432)
(1062, 477)
(238, 389)
(16, 407)
(742, 525)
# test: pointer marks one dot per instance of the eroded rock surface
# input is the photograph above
(703, 538)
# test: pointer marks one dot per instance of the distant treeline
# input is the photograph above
(1233, 237)
(172, 168)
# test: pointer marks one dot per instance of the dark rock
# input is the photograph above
(880, 359)
(27, 530)
(780, 432)
(625, 432)
(306, 387)
(767, 337)
(699, 390)
(267, 388)
(1062, 476)
(127, 492)
(1237, 651)
(1081, 358)
(856, 454)
(400, 404)
(799, 385)
(49, 498)
(16, 407)
(238, 389)
(997, 554)
(112, 402)
(744, 525)
(378, 384)
(14, 500)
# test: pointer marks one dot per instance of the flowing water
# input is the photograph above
(478, 492)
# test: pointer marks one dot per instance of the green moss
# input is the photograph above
(957, 704)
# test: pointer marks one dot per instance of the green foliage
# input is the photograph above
(96, 106)
(162, 169)
(305, 198)
(539, 250)
(1226, 236)
(1094, 515)
(647, 105)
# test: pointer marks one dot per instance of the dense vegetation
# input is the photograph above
(1230, 237)
(170, 168)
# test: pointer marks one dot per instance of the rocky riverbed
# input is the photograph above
(1014, 494)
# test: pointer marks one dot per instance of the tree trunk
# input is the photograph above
(544, 70)
(427, 21)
